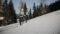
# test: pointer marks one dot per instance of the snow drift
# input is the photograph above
(46, 24)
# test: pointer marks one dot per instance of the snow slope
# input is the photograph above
(46, 24)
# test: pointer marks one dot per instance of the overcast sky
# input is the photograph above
(29, 3)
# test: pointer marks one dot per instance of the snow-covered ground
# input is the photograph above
(46, 24)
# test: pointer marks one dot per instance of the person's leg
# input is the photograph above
(20, 20)
(25, 19)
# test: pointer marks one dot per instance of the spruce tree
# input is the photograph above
(34, 10)
(5, 9)
(30, 14)
(37, 11)
(25, 8)
(25, 11)
(54, 6)
(12, 13)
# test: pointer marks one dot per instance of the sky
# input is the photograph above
(29, 3)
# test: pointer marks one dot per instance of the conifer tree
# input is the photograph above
(37, 10)
(54, 6)
(12, 13)
(34, 9)
(25, 8)
(5, 9)
(5, 4)
(30, 15)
